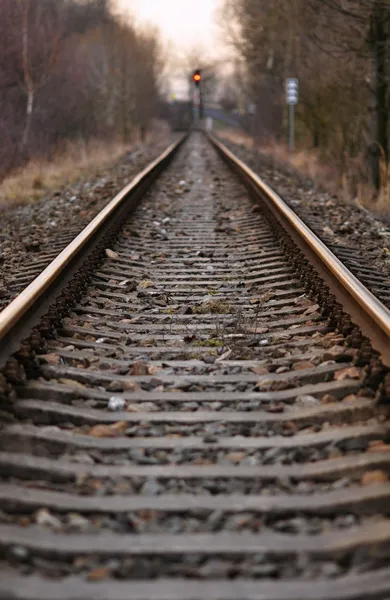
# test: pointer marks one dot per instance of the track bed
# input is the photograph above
(197, 427)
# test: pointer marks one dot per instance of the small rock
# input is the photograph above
(267, 570)
(224, 356)
(341, 483)
(282, 370)
(151, 487)
(354, 445)
(115, 386)
(215, 568)
(210, 439)
(50, 359)
(330, 569)
(163, 233)
(306, 400)
(373, 477)
(294, 525)
(130, 386)
(237, 522)
(275, 408)
(271, 455)
(303, 365)
(182, 385)
(111, 254)
(378, 446)
(71, 382)
(260, 370)
(125, 569)
(345, 521)
(139, 368)
(145, 283)
(134, 408)
(209, 360)
(235, 457)
(32, 246)
(19, 552)
(99, 574)
(115, 430)
(116, 403)
(45, 518)
(350, 398)
(311, 309)
(77, 522)
(349, 373)
(328, 399)
(215, 520)
(83, 458)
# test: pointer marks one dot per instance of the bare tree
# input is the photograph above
(363, 31)
(340, 50)
(71, 69)
(43, 23)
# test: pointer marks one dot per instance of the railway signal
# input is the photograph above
(197, 95)
(292, 87)
(292, 91)
(197, 77)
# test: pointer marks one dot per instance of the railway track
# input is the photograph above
(190, 413)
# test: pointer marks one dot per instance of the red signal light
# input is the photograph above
(197, 77)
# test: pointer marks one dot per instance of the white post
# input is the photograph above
(292, 86)
(292, 128)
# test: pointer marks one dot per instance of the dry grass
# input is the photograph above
(40, 177)
(306, 162)
(212, 306)
(236, 136)
(382, 203)
(347, 182)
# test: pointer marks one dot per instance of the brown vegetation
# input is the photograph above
(75, 161)
(71, 70)
(340, 51)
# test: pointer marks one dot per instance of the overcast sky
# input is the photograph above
(186, 26)
(183, 22)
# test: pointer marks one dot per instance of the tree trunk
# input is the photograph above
(28, 81)
(316, 132)
(378, 107)
(29, 116)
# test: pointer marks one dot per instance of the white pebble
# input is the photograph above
(45, 518)
(116, 403)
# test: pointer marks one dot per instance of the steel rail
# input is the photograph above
(363, 307)
(26, 309)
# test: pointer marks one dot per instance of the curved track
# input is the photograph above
(201, 419)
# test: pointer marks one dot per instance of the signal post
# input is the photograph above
(197, 96)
